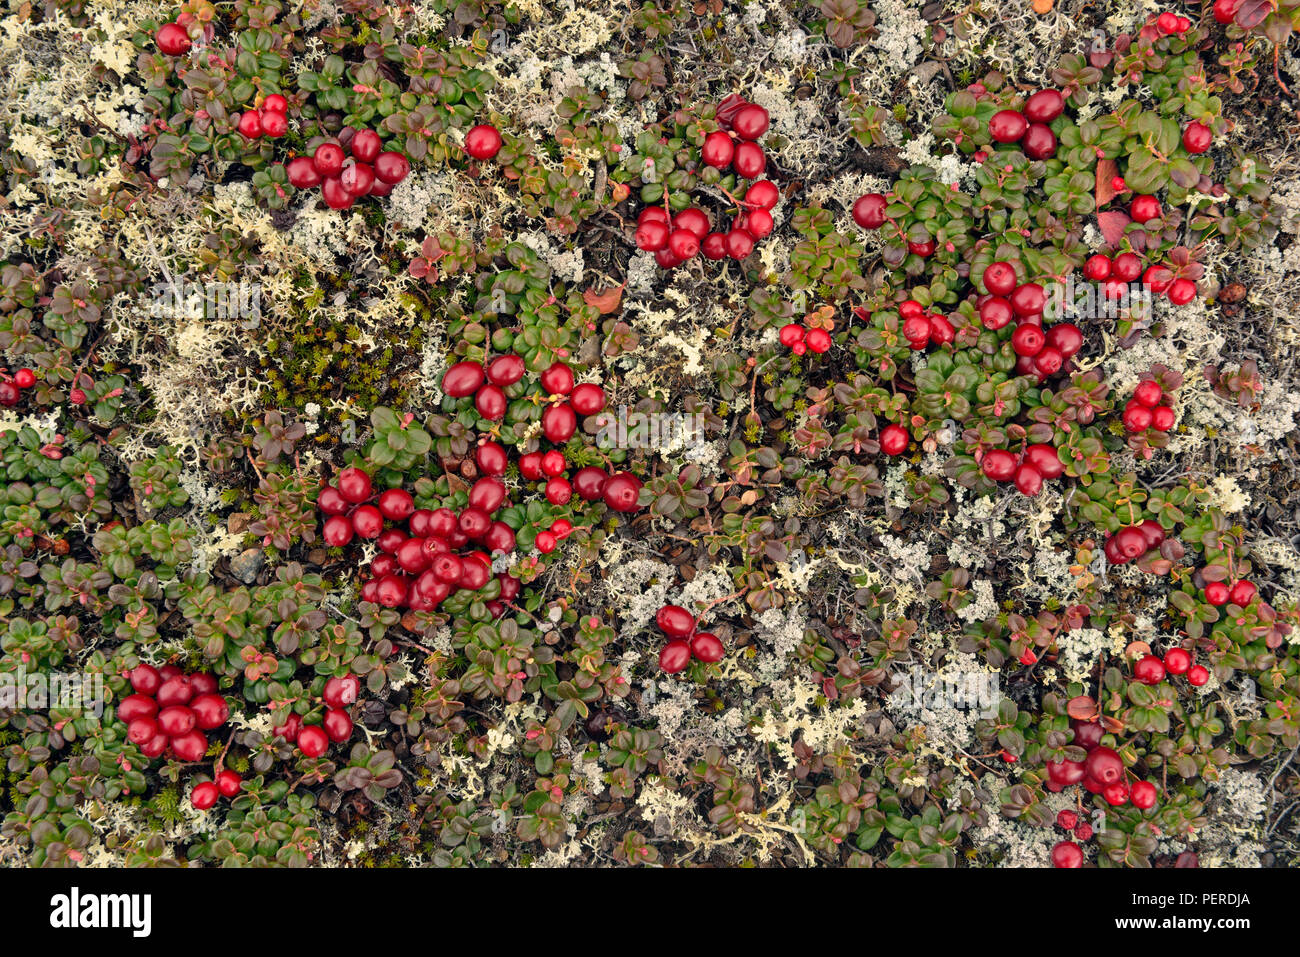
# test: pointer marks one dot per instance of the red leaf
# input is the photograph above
(607, 301)
(1112, 226)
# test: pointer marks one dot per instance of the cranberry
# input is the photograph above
(145, 679)
(819, 340)
(250, 125)
(1067, 819)
(694, 220)
(675, 621)
(1028, 340)
(996, 312)
(622, 491)
(380, 188)
(718, 149)
(475, 571)
(553, 463)
(739, 244)
(1029, 481)
(474, 522)
(1144, 208)
(1044, 460)
(682, 245)
(490, 402)
(505, 370)
(488, 494)
(1097, 268)
(209, 710)
(136, 706)
(1216, 593)
(390, 540)
(894, 439)
(1157, 278)
(1007, 126)
(367, 521)
(1177, 661)
(1197, 137)
(999, 465)
(714, 246)
(328, 159)
(545, 542)
(1162, 418)
(759, 223)
(1083, 831)
(559, 422)
(190, 747)
(1148, 393)
(589, 483)
(1242, 593)
(141, 730)
(274, 124)
(396, 504)
(1130, 542)
(675, 656)
(750, 160)
(707, 647)
(763, 194)
(342, 691)
(530, 465)
(1044, 106)
(1197, 675)
(1104, 765)
(1167, 22)
(24, 378)
(1039, 142)
(916, 329)
(412, 556)
(337, 724)
(1067, 854)
(1223, 10)
(491, 458)
(175, 690)
(1182, 291)
(925, 250)
(1065, 337)
(1087, 734)
(557, 379)
(651, 236)
(354, 485)
(1048, 362)
(357, 178)
(391, 167)
(172, 39)
(1065, 772)
(302, 172)
(229, 783)
(1149, 670)
(204, 795)
(1115, 794)
(509, 587)
(1152, 532)
(391, 591)
(1136, 417)
(750, 123)
(1126, 267)
(558, 491)
(1028, 299)
(869, 211)
(483, 142)
(1000, 278)
(290, 729)
(313, 741)
(462, 379)
(587, 398)
(1143, 795)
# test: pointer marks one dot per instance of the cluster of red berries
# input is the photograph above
(677, 239)
(371, 171)
(1241, 594)
(483, 141)
(1132, 542)
(567, 400)
(313, 740)
(1038, 463)
(418, 566)
(173, 39)
(922, 329)
(226, 784)
(170, 710)
(1042, 353)
(1101, 772)
(1148, 409)
(270, 120)
(1067, 853)
(1115, 273)
(1151, 669)
(685, 642)
(12, 389)
(800, 340)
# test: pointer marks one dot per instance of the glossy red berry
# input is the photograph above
(651, 236)
(1008, 126)
(1097, 267)
(1177, 661)
(483, 141)
(462, 379)
(1148, 393)
(750, 161)
(189, 747)
(707, 647)
(1000, 278)
(675, 621)
(1149, 670)
(337, 725)
(1065, 337)
(1197, 675)
(341, 691)
(367, 521)
(589, 483)
(818, 340)
(1104, 765)
(1216, 593)
(999, 465)
(328, 159)
(1136, 417)
(622, 492)
(1066, 819)
(1197, 137)
(996, 312)
(1067, 854)
(204, 795)
(750, 123)
(1028, 340)
(1162, 418)
(337, 531)
(173, 40)
(894, 439)
(1144, 208)
(1143, 795)
(718, 149)
(763, 194)
(1039, 142)
(1181, 292)
(391, 167)
(313, 741)
(229, 783)
(869, 211)
(1242, 593)
(1044, 106)
(675, 656)
(1029, 481)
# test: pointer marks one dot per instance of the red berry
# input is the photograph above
(229, 783)
(174, 690)
(189, 747)
(1167, 22)
(714, 246)
(1065, 337)
(763, 194)
(341, 692)
(996, 312)
(925, 250)
(145, 679)
(750, 161)
(1029, 480)
(1115, 794)
(1067, 854)
(354, 485)
(1044, 106)
(1149, 670)
(1182, 291)
(559, 422)
(739, 244)
(136, 706)
(869, 211)
(1224, 10)
(367, 521)
(1048, 362)
(1177, 661)
(204, 795)
(505, 370)
(313, 741)
(999, 465)
(1028, 299)
(1097, 267)
(1028, 340)
(675, 621)
(694, 220)
(335, 193)
(1143, 795)
(1148, 393)
(750, 123)
(545, 542)
(706, 646)
(1039, 142)
(622, 491)
(462, 379)
(559, 491)
(1007, 126)
(1126, 267)
(396, 504)
(758, 223)
(357, 178)
(337, 531)
(589, 483)
(328, 159)
(1044, 460)
(1157, 278)
(337, 725)
(894, 439)
(490, 402)
(818, 340)
(1000, 278)
(718, 149)
(24, 378)
(1087, 734)
(483, 142)
(391, 167)
(172, 39)
(1104, 765)
(587, 398)
(1162, 418)
(675, 656)
(302, 172)
(1136, 417)
(250, 124)
(1242, 593)
(1197, 675)
(274, 124)
(491, 458)
(553, 463)
(1197, 137)
(365, 146)
(1067, 819)
(651, 236)
(1144, 208)
(1216, 593)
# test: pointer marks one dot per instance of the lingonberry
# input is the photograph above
(916, 329)
(145, 679)
(530, 466)
(758, 223)
(339, 692)
(500, 537)
(229, 783)
(1039, 142)
(750, 123)
(274, 125)
(923, 249)
(24, 378)
(1028, 340)
(869, 211)
(1157, 279)
(391, 167)
(357, 178)
(367, 521)
(559, 491)
(714, 246)
(1149, 670)
(1242, 593)
(174, 690)
(996, 312)
(1143, 795)
(335, 194)
(622, 492)
(694, 220)
(819, 340)
(204, 795)
(1162, 418)
(1087, 734)
(462, 379)
(1097, 267)
(172, 39)
(706, 646)
(1008, 126)
(651, 236)
(739, 244)
(999, 465)
(1197, 675)
(1152, 532)
(589, 483)
(1148, 393)
(1067, 854)
(1044, 106)
(1224, 10)
(1065, 337)
(1181, 291)
(1048, 362)
(505, 370)
(1216, 593)
(491, 458)
(718, 149)
(490, 402)
(1177, 661)
(561, 528)
(135, 706)
(1116, 794)
(328, 159)
(1136, 417)
(1065, 773)
(675, 656)
(1028, 299)
(675, 621)
(763, 194)
(1045, 460)
(1029, 481)
(1066, 819)
(1144, 208)
(553, 463)
(250, 124)
(894, 439)
(396, 504)
(302, 172)
(390, 540)
(1000, 278)
(1126, 267)
(750, 161)
(1197, 137)
(337, 725)
(141, 730)
(483, 142)
(474, 522)
(313, 741)
(290, 730)
(209, 710)
(1104, 765)
(365, 146)
(190, 746)
(545, 542)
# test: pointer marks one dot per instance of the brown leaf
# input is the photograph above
(1113, 725)
(1112, 226)
(1106, 171)
(1136, 649)
(1082, 708)
(605, 302)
